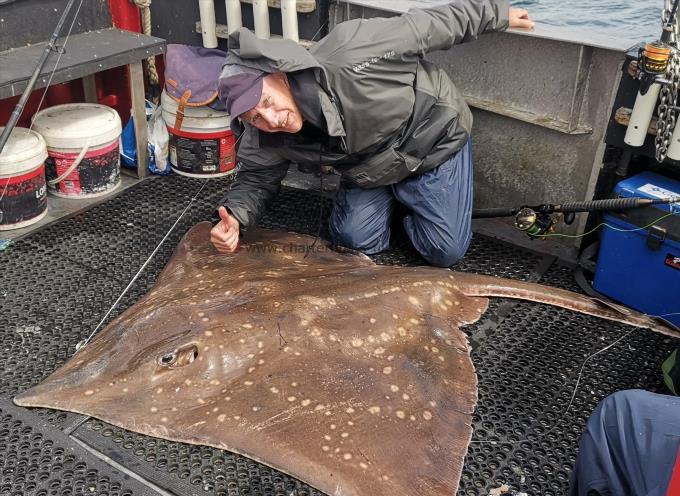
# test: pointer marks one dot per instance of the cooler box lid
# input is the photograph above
(651, 185)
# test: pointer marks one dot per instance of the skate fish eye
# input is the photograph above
(168, 359)
(179, 357)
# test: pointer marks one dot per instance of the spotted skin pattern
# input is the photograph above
(352, 377)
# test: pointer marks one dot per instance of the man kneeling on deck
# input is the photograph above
(363, 101)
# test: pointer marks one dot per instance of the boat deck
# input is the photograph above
(59, 281)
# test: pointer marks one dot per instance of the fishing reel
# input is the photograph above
(653, 62)
(651, 67)
(539, 223)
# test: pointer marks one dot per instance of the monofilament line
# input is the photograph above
(573, 395)
(139, 272)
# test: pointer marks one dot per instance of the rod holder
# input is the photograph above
(207, 12)
(642, 116)
(234, 18)
(261, 16)
(289, 20)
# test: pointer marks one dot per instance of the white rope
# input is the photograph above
(74, 165)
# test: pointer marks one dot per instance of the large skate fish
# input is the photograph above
(352, 377)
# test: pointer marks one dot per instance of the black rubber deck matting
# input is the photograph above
(58, 283)
(39, 459)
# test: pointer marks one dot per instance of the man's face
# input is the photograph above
(277, 110)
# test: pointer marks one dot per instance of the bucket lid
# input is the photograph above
(24, 150)
(74, 125)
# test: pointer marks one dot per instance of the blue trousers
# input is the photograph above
(630, 447)
(439, 219)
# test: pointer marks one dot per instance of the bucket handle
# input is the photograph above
(76, 163)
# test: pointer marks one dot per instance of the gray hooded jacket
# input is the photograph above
(391, 113)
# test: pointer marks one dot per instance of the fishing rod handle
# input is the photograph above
(600, 205)
(488, 213)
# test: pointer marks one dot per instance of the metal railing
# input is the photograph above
(211, 31)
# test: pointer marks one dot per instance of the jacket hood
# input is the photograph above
(273, 55)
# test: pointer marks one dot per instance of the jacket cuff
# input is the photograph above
(502, 14)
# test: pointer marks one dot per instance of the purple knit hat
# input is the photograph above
(240, 88)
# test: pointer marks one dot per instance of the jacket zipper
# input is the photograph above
(342, 119)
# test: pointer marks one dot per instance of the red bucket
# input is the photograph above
(83, 146)
(202, 145)
(23, 192)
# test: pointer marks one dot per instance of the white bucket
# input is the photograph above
(203, 146)
(82, 143)
(23, 194)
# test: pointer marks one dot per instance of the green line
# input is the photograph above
(605, 224)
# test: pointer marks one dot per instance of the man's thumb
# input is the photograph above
(224, 215)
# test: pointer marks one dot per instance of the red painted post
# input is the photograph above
(116, 85)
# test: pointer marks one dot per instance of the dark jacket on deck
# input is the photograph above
(388, 113)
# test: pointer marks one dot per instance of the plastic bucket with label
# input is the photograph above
(82, 144)
(23, 194)
(201, 142)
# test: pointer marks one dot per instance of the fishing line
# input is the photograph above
(139, 272)
(578, 381)
(318, 232)
(49, 82)
(607, 225)
(82, 343)
(319, 31)
(153, 254)
(671, 17)
(60, 51)
(573, 395)
(666, 314)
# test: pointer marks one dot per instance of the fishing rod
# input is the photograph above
(540, 219)
(14, 118)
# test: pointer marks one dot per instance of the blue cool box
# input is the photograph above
(642, 268)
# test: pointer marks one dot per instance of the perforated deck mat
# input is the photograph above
(57, 284)
(39, 459)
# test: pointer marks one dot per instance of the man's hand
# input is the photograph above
(225, 234)
(519, 18)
